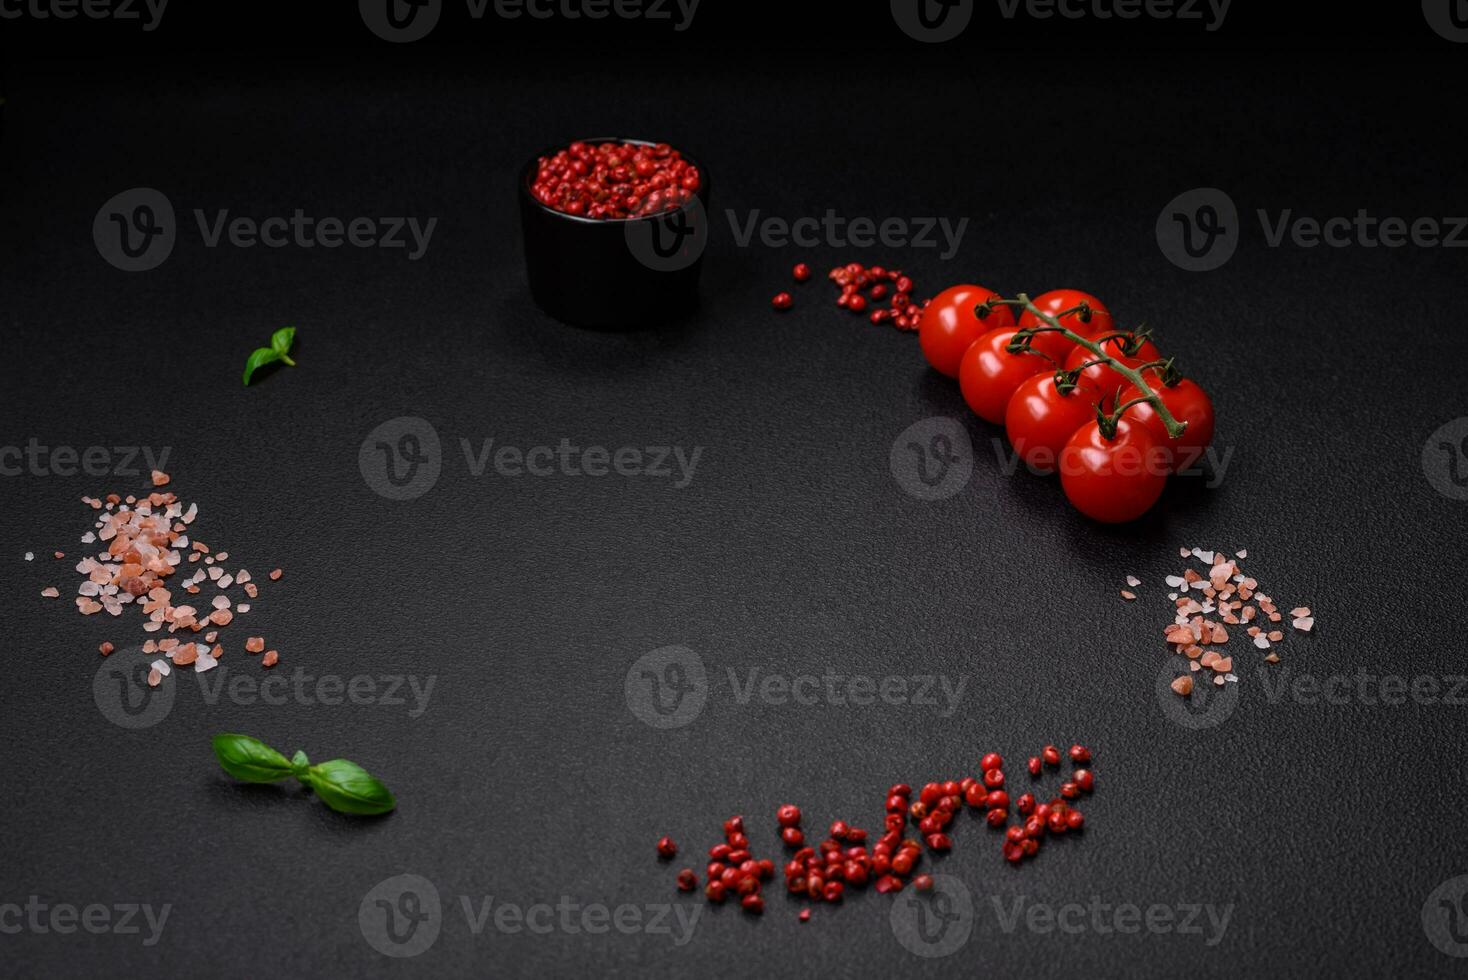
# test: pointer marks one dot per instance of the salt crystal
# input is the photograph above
(243, 607)
(225, 581)
(243, 576)
(163, 667)
(51, 593)
(1133, 581)
(221, 602)
(1304, 623)
(204, 662)
(1261, 641)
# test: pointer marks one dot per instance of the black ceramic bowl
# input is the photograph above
(614, 273)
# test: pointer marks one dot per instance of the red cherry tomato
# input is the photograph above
(1040, 420)
(1113, 480)
(949, 325)
(1098, 324)
(989, 374)
(1188, 403)
(1103, 377)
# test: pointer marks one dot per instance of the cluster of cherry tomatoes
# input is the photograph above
(1064, 408)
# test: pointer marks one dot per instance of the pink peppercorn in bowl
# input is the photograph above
(614, 232)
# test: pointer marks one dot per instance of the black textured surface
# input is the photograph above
(793, 550)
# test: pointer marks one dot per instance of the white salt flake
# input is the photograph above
(1261, 641)
(1304, 624)
(204, 662)
(1177, 581)
(163, 667)
(1133, 581)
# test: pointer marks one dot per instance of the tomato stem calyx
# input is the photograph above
(1130, 341)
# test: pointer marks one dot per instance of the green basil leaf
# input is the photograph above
(250, 759)
(299, 764)
(282, 339)
(348, 788)
(261, 357)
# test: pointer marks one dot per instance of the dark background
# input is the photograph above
(794, 550)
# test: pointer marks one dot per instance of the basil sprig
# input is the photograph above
(279, 350)
(342, 785)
